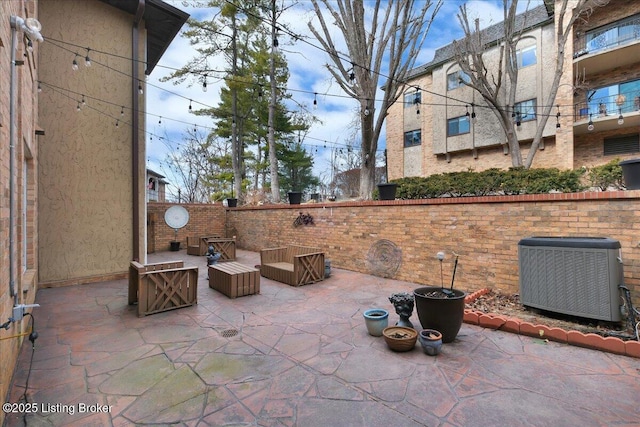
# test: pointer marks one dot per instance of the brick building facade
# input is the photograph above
(600, 83)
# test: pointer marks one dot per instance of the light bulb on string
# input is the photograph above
(204, 84)
(590, 127)
(620, 118)
(160, 120)
(190, 108)
(558, 117)
(83, 101)
(117, 123)
(467, 113)
(74, 64)
(39, 87)
(121, 111)
(29, 45)
(366, 109)
(78, 106)
(140, 91)
(315, 100)
(87, 60)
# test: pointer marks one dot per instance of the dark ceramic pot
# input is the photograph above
(295, 197)
(631, 173)
(442, 314)
(387, 191)
(232, 202)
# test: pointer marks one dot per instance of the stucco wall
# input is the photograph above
(85, 195)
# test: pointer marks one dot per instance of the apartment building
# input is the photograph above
(442, 125)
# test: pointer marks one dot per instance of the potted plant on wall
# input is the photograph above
(440, 308)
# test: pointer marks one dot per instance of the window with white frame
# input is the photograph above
(457, 79)
(412, 98)
(525, 110)
(526, 56)
(412, 138)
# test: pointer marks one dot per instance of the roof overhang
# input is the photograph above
(162, 22)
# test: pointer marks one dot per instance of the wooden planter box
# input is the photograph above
(163, 286)
(234, 279)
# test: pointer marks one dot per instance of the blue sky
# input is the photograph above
(307, 75)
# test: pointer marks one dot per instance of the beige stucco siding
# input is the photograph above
(85, 175)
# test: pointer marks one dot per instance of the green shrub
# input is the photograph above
(605, 176)
(490, 181)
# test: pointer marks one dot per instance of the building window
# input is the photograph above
(457, 79)
(621, 145)
(526, 56)
(412, 98)
(525, 110)
(412, 138)
(458, 126)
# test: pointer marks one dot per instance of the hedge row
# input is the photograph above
(509, 182)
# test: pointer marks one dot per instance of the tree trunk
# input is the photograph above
(273, 159)
(368, 153)
(235, 144)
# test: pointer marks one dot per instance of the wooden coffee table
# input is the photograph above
(234, 279)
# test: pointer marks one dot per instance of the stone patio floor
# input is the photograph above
(301, 357)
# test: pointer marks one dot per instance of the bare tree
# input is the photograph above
(200, 169)
(392, 37)
(498, 86)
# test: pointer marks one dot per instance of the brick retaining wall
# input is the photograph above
(484, 231)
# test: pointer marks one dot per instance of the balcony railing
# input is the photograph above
(610, 36)
(613, 105)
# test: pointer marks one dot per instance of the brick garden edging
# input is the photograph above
(512, 324)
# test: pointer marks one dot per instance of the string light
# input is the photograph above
(83, 101)
(78, 107)
(366, 109)
(122, 111)
(315, 100)
(87, 60)
(620, 118)
(590, 127)
(160, 120)
(140, 91)
(190, 108)
(117, 123)
(204, 84)
(74, 64)
(558, 117)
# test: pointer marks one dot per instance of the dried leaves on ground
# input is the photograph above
(509, 305)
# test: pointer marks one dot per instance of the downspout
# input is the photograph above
(135, 131)
(12, 163)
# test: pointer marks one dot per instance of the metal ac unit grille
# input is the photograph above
(563, 277)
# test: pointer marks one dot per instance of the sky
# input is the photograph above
(168, 103)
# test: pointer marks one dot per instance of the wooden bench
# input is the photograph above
(225, 247)
(294, 265)
(198, 245)
(234, 279)
(163, 286)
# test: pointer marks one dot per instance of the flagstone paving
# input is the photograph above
(298, 357)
